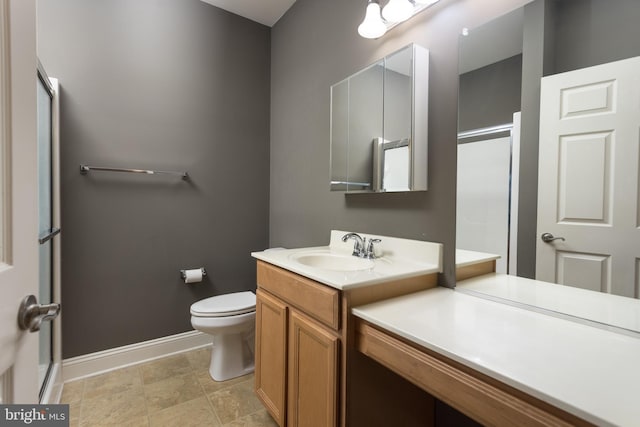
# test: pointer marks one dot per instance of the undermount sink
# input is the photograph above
(333, 261)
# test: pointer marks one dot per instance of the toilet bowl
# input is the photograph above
(230, 319)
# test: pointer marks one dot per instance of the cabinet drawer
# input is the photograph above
(314, 299)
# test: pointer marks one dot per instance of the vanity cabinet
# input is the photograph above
(305, 339)
(297, 348)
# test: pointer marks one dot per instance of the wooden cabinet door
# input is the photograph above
(313, 373)
(271, 354)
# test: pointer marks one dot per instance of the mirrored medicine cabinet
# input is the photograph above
(379, 125)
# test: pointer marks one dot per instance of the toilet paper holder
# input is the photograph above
(183, 273)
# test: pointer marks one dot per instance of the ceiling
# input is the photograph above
(266, 12)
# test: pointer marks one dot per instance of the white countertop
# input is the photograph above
(598, 307)
(399, 259)
(465, 257)
(587, 371)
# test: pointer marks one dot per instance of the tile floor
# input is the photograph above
(172, 391)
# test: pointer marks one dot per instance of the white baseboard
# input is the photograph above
(103, 361)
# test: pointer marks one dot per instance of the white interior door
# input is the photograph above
(18, 198)
(588, 178)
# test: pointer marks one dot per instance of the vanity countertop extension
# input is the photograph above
(599, 307)
(587, 371)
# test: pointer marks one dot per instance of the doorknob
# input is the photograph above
(31, 314)
(548, 237)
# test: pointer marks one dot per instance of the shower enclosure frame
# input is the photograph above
(51, 389)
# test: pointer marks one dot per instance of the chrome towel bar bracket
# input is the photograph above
(84, 169)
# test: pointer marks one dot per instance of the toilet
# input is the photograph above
(230, 319)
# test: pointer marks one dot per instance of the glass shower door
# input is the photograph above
(45, 230)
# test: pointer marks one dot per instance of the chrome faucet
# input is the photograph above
(358, 246)
(362, 248)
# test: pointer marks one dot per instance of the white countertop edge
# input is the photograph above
(588, 414)
(465, 257)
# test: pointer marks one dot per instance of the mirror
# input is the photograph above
(553, 77)
(379, 125)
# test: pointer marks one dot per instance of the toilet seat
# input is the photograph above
(225, 305)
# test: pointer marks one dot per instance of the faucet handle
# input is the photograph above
(370, 251)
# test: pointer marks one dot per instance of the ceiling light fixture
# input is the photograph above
(372, 27)
(396, 11)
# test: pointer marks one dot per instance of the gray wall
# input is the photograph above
(315, 45)
(158, 84)
(490, 95)
(593, 32)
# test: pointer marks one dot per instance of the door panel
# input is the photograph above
(588, 178)
(587, 271)
(313, 374)
(271, 354)
(584, 182)
(589, 99)
(18, 197)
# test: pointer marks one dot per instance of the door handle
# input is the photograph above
(31, 314)
(548, 238)
(49, 235)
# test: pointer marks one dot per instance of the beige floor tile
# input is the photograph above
(113, 409)
(112, 382)
(74, 412)
(162, 369)
(234, 402)
(172, 391)
(200, 358)
(210, 385)
(257, 419)
(196, 413)
(72, 391)
(136, 422)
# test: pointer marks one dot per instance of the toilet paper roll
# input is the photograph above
(193, 276)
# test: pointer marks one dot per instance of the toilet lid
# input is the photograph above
(225, 305)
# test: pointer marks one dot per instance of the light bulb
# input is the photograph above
(372, 27)
(397, 10)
